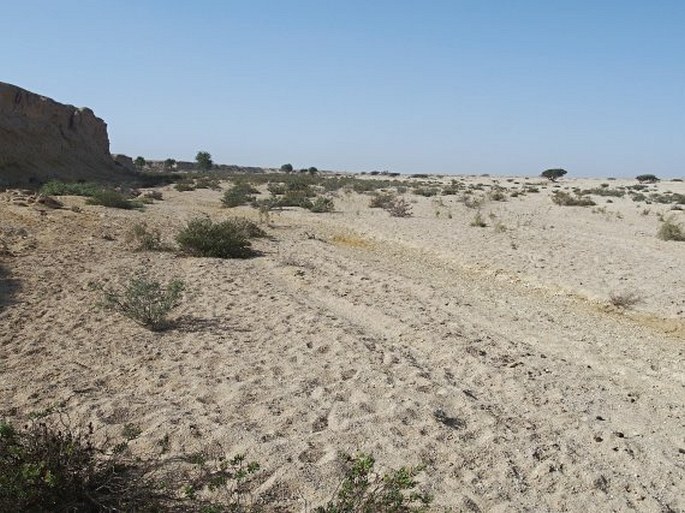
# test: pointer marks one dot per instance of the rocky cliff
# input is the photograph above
(42, 139)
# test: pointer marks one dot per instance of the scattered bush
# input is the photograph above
(239, 194)
(648, 178)
(566, 200)
(112, 199)
(399, 208)
(478, 221)
(604, 191)
(153, 195)
(382, 200)
(497, 195)
(145, 239)
(363, 491)
(185, 185)
(671, 230)
(226, 239)
(322, 205)
(143, 300)
(47, 469)
(426, 191)
(207, 182)
(624, 299)
(294, 198)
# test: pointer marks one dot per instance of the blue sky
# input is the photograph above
(463, 86)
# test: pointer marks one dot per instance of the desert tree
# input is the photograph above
(287, 168)
(169, 164)
(553, 174)
(140, 162)
(204, 160)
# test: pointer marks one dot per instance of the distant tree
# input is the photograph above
(140, 162)
(553, 174)
(169, 164)
(287, 168)
(647, 178)
(313, 170)
(204, 160)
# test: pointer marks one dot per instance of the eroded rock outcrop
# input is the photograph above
(42, 139)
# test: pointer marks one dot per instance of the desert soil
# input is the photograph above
(492, 355)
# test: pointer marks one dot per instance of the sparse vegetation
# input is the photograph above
(364, 491)
(624, 300)
(671, 230)
(399, 208)
(478, 221)
(239, 194)
(567, 200)
(57, 188)
(227, 239)
(144, 238)
(112, 199)
(322, 205)
(144, 300)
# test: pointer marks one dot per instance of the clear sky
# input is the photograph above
(462, 86)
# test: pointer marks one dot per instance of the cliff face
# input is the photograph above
(42, 139)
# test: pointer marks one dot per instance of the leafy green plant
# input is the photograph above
(144, 300)
(227, 239)
(671, 230)
(43, 468)
(364, 491)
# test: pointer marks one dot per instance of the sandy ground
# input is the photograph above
(491, 355)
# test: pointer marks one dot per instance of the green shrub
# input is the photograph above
(57, 188)
(426, 191)
(363, 491)
(671, 230)
(239, 194)
(47, 469)
(322, 205)
(112, 199)
(294, 198)
(143, 300)
(227, 239)
(567, 200)
(185, 186)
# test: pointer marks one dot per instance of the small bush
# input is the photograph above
(624, 299)
(478, 221)
(294, 198)
(185, 186)
(363, 491)
(239, 194)
(112, 199)
(426, 191)
(47, 469)
(399, 208)
(382, 200)
(566, 200)
(671, 230)
(227, 239)
(153, 195)
(145, 239)
(145, 301)
(322, 205)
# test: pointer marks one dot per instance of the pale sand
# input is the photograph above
(355, 331)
